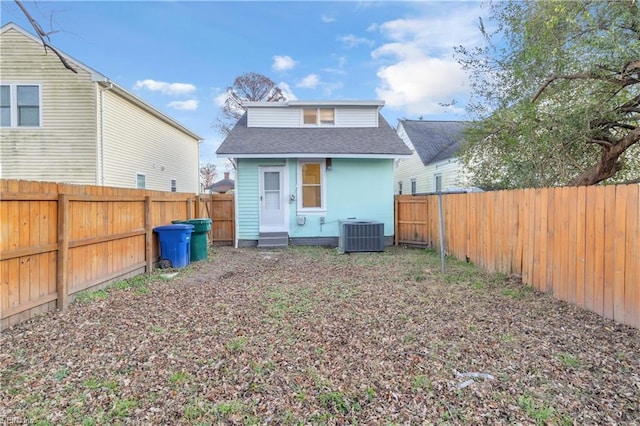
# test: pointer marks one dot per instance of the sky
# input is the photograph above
(180, 56)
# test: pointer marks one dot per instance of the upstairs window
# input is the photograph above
(413, 186)
(400, 188)
(318, 116)
(19, 105)
(174, 185)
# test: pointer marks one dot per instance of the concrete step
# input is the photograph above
(273, 240)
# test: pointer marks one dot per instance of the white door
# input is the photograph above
(272, 202)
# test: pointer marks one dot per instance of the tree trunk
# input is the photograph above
(609, 163)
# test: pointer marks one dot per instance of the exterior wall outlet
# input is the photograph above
(322, 219)
(301, 220)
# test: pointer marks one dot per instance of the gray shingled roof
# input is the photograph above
(435, 140)
(380, 141)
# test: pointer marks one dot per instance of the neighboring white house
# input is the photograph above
(82, 128)
(433, 166)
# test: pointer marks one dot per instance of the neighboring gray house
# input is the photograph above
(223, 185)
(433, 166)
(303, 168)
(82, 128)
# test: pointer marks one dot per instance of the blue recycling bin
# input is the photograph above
(175, 243)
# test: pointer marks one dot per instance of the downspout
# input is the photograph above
(102, 132)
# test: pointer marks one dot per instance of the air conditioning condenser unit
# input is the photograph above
(360, 236)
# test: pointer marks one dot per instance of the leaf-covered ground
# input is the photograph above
(308, 336)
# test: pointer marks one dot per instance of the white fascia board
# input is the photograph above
(263, 104)
(306, 155)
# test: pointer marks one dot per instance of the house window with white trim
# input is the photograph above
(400, 188)
(311, 185)
(437, 182)
(413, 186)
(141, 180)
(174, 185)
(318, 116)
(20, 105)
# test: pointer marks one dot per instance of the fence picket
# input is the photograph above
(57, 239)
(576, 243)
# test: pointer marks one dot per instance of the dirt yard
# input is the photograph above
(309, 336)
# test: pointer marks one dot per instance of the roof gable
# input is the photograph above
(347, 142)
(105, 82)
(434, 141)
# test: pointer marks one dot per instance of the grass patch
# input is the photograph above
(538, 412)
(569, 360)
(237, 344)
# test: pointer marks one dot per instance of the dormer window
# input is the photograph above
(319, 116)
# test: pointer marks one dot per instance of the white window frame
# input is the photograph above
(437, 176)
(399, 187)
(318, 120)
(323, 186)
(414, 186)
(144, 175)
(13, 104)
(173, 185)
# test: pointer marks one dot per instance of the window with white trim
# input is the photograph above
(20, 105)
(174, 185)
(413, 186)
(437, 182)
(318, 116)
(399, 187)
(311, 185)
(141, 180)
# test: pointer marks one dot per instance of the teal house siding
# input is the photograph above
(346, 150)
(357, 189)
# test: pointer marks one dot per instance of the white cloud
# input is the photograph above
(165, 88)
(189, 105)
(354, 41)
(286, 89)
(327, 19)
(220, 99)
(417, 69)
(282, 63)
(309, 82)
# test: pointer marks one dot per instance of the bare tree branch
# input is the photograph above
(44, 37)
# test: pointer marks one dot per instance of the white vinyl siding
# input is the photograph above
(63, 147)
(412, 168)
(292, 117)
(357, 117)
(274, 117)
(135, 141)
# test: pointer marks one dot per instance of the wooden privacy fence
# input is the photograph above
(582, 244)
(57, 239)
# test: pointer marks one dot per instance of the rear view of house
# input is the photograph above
(434, 165)
(82, 128)
(306, 167)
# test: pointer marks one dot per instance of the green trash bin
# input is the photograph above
(199, 243)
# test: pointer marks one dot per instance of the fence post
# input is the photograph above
(62, 284)
(148, 237)
(395, 220)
